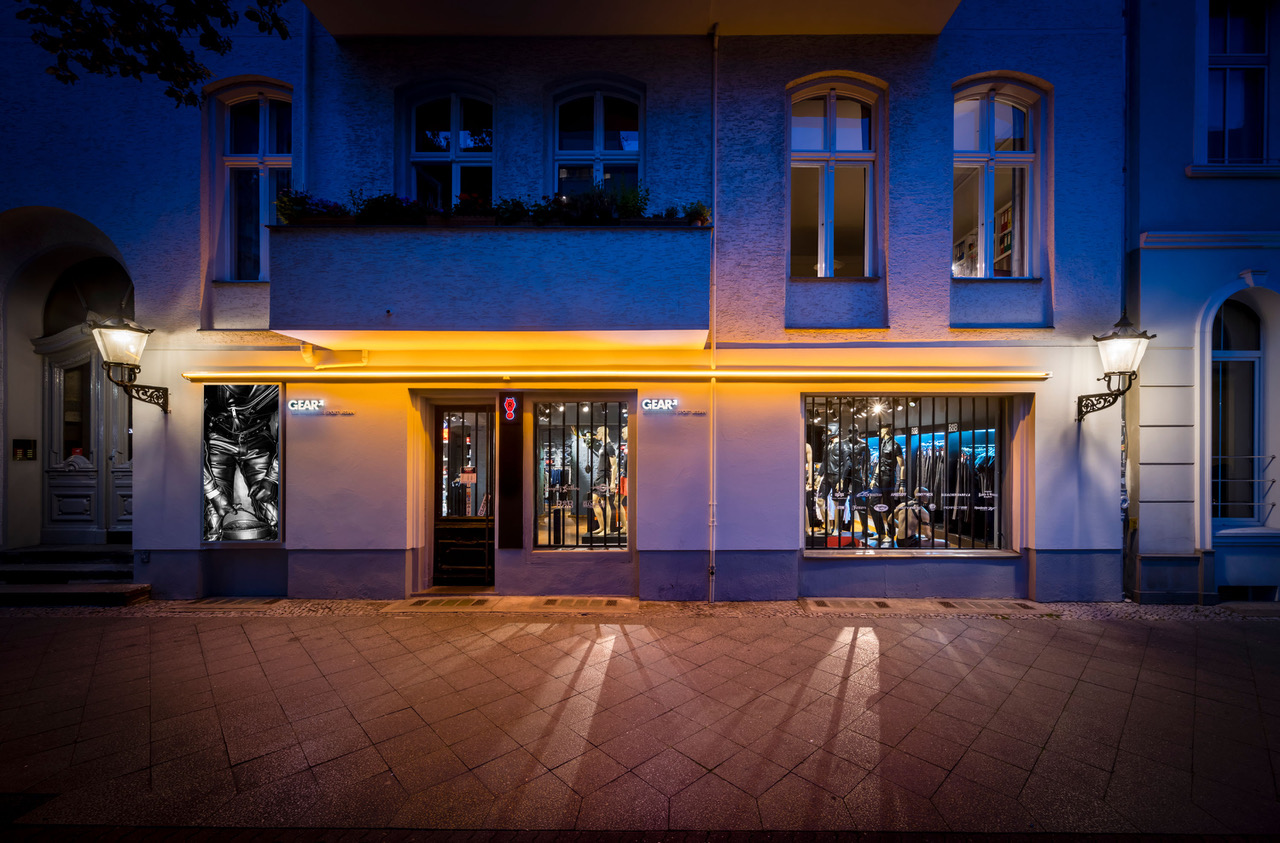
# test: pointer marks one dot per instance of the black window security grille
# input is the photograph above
(582, 494)
(896, 471)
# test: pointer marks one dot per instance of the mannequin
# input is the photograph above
(888, 479)
(602, 479)
(837, 464)
(859, 459)
(623, 483)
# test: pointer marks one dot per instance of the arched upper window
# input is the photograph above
(833, 139)
(597, 140)
(253, 125)
(996, 194)
(1236, 408)
(254, 141)
(451, 149)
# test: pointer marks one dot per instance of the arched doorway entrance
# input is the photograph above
(88, 476)
(68, 478)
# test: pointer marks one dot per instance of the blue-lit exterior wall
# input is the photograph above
(117, 155)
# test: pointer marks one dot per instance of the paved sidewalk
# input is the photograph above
(687, 720)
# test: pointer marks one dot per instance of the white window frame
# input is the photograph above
(597, 157)
(262, 161)
(1256, 488)
(988, 159)
(1205, 62)
(457, 158)
(829, 159)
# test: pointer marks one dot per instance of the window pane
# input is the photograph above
(902, 472)
(621, 125)
(245, 223)
(1216, 119)
(965, 131)
(1246, 27)
(966, 196)
(1233, 439)
(1218, 25)
(1010, 223)
(808, 129)
(1010, 128)
(478, 182)
(434, 184)
(1245, 114)
(850, 222)
(853, 124)
(477, 126)
(806, 200)
(1236, 328)
(76, 422)
(581, 479)
(243, 120)
(577, 124)
(620, 177)
(281, 116)
(431, 126)
(280, 179)
(574, 179)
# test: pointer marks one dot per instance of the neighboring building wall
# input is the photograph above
(1198, 234)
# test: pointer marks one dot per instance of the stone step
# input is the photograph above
(75, 594)
(87, 572)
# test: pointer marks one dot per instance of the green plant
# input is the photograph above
(388, 209)
(696, 213)
(510, 211)
(671, 213)
(632, 202)
(295, 205)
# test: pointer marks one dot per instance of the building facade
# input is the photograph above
(1204, 231)
(859, 378)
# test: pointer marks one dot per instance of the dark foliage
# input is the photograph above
(137, 39)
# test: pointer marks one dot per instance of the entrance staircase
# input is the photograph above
(70, 575)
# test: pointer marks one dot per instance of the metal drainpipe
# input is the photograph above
(715, 195)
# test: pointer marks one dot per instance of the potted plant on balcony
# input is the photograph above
(696, 213)
(390, 209)
(297, 207)
(473, 209)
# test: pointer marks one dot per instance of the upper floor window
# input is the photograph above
(995, 190)
(254, 127)
(1236, 424)
(597, 141)
(1237, 87)
(451, 151)
(833, 158)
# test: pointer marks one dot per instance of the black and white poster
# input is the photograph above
(241, 462)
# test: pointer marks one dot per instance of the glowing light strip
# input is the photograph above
(510, 375)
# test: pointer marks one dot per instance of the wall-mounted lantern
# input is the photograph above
(121, 342)
(1121, 352)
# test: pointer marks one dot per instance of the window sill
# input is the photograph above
(872, 553)
(867, 279)
(1252, 536)
(998, 279)
(1233, 171)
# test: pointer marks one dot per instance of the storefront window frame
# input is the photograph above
(616, 507)
(276, 471)
(990, 503)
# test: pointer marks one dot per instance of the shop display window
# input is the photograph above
(241, 462)
(581, 497)
(889, 472)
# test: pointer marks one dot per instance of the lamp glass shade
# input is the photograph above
(121, 341)
(1122, 354)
